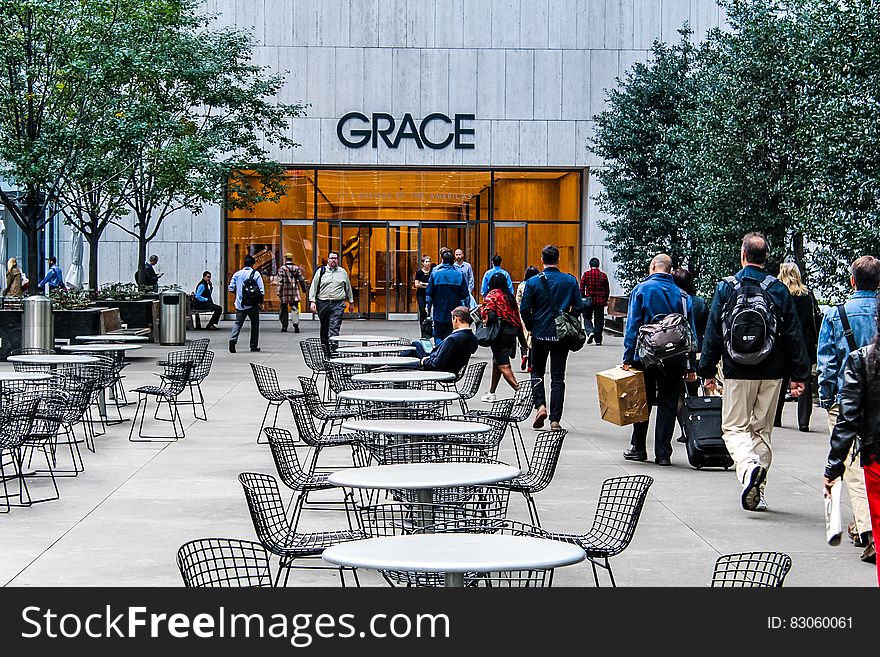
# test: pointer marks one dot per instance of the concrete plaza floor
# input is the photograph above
(121, 521)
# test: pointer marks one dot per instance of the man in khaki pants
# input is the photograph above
(836, 341)
(754, 331)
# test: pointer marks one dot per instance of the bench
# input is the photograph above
(194, 316)
(111, 324)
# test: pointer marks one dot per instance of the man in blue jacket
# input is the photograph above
(446, 290)
(544, 297)
(751, 391)
(54, 279)
(496, 269)
(653, 298)
(861, 314)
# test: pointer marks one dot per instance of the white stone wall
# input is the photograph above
(534, 72)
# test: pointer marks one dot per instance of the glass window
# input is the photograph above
(537, 195)
(566, 237)
(297, 203)
(261, 239)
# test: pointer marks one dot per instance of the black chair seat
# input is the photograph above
(593, 546)
(327, 440)
(283, 395)
(314, 543)
(152, 390)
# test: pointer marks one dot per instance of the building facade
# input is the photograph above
(460, 123)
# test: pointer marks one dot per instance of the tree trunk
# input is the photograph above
(142, 256)
(93, 241)
(797, 248)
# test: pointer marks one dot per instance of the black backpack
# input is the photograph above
(749, 322)
(251, 294)
(665, 338)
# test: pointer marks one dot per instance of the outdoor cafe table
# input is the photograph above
(364, 339)
(423, 478)
(52, 360)
(112, 337)
(101, 348)
(375, 349)
(429, 429)
(454, 554)
(393, 396)
(377, 361)
(403, 378)
(21, 377)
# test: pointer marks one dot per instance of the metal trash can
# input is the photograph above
(37, 325)
(172, 317)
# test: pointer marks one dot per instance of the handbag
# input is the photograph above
(588, 301)
(569, 331)
(488, 332)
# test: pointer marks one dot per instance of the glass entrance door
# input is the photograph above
(403, 257)
(364, 255)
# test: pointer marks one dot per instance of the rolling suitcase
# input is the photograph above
(700, 417)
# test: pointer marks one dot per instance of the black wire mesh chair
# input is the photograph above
(71, 393)
(174, 381)
(101, 378)
(316, 354)
(490, 442)
(751, 570)
(42, 437)
(542, 467)
(278, 536)
(31, 351)
(334, 414)
(316, 440)
(469, 383)
(339, 377)
(283, 447)
(200, 371)
(513, 411)
(16, 421)
(269, 388)
(223, 562)
(620, 504)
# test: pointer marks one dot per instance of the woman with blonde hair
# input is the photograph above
(13, 279)
(807, 311)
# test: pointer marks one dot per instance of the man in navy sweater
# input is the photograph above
(456, 350)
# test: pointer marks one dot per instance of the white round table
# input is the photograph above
(411, 376)
(410, 428)
(395, 396)
(112, 337)
(101, 348)
(453, 555)
(52, 359)
(375, 349)
(377, 361)
(6, 375)
(364, 339)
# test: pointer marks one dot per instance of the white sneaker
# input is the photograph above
(489, 397)
(752, 480)
(762, 503)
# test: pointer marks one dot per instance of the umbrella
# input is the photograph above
(74, 276)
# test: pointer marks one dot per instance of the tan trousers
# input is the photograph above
(854, 478)
(747, 411)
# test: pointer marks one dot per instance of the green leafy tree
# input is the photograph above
(51, 54)
(642, 136)
(198, 122)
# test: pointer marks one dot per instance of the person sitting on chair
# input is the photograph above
(203, 300)
(455, 351)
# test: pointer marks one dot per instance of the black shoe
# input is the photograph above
(590, 338)
(598, 344)
(632, 455)
(662, 461)
(284, 330)
(804, 429)
(232, 346)
(255, 348)
(681, 439)
(777, 423)
(870, 553)
(296, 328)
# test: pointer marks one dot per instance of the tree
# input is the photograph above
(642, 136)
(198, 116)
(51, 52)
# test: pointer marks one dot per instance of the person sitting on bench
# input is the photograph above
(202, 300)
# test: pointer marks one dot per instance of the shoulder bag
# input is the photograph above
(569, 331)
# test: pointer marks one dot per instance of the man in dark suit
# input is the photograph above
(455, 351)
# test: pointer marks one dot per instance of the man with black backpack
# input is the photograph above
(247, 283)
(659, 341)
(754, 330)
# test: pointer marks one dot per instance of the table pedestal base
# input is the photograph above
(453, 580)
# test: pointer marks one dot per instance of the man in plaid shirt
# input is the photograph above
(594, 290)
(290, 281)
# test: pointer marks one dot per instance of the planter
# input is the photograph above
(143, 313)
(71, 323)
(10, 331)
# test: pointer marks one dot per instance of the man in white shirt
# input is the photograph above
(468, 272)
(245, 306)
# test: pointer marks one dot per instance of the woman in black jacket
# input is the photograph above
(806, 308)
(859, 420)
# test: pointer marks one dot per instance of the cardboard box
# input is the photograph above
(622, 397)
